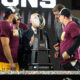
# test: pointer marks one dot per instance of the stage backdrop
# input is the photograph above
(43, 7)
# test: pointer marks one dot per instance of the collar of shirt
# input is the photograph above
(34, 30)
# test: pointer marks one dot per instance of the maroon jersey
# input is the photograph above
(23, 26)
(70, 31)
(9, 30)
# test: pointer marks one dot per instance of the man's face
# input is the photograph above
(56, 14)
(61, 19)
(15, 19)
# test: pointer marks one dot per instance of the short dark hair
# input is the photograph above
(7, 13)
(58, 7)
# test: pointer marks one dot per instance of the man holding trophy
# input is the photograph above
(35, 40)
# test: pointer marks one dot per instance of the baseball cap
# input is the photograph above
(66, 12)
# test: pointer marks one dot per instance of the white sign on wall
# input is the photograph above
(32, 3)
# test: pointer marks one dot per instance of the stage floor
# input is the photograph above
(39, 72)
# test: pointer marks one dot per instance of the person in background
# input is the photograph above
(21, 28)
(26, 41)
(20, 24)
(9, 41)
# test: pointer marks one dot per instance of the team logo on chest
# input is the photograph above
(62, 36)
(15, 32)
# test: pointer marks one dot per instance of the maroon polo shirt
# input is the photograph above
(70, 31)
(9, 30)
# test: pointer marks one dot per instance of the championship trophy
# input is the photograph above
(40, 51)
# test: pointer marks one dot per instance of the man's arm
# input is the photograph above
(75, 45)
(7, 51)
(73, 48)
(32, 40)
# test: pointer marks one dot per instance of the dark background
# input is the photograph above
(74, 5)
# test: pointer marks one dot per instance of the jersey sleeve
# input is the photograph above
(4, 29)
(74, 30)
